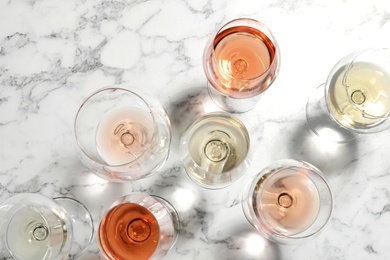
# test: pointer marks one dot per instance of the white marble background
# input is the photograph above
(54, 53)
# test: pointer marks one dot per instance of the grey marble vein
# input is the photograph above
(54, 54)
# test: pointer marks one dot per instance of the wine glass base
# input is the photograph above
(82, 225)
(320, 121)
(232, 105)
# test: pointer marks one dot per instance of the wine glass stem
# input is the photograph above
(214, 157)
(285, 200)
(139, 230)
(39, 232)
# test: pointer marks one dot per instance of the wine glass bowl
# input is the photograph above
(215, 150)
(33, 226)
(122, 134)
(288, 202)
(355, 98)
(241, 60)
(138, 226)
(358, 91)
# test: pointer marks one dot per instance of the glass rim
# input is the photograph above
(65, 218)
(122, 200)
(275, 57)
(129, 198)
(104, 89)
(349, 66)
(275, 236)
(149, 199)
(387, 115)
(87, 215)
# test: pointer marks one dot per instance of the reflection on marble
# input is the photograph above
(53, 54)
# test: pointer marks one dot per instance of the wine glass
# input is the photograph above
(33, 226)
(215, 150)
(122, 134)
(288, 202)
(138, 226)
(241, 60)
(355, 98)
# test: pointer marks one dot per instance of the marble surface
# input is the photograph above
(54, 53)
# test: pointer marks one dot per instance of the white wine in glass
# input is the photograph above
(355, 98)
(35, 227)
(358, 95)
(215, 150)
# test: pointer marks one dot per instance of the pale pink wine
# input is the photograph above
(123, 135)
(288, 201)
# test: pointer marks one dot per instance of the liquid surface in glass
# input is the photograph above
(129, 231)
(218, 144)
(123, 135)
(288, 202)
(29, 237)
(242, 53)
(361, 98)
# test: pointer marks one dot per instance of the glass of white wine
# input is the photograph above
(241, 60)
(355, 98)
(215, 150)
(288, 202)
(122, 134)
(33, 226)
(138, 226)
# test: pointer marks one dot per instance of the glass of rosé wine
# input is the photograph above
(122, 134)
(241, 60)
(138, 226)
(288, 202)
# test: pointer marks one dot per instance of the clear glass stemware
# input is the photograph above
(122, 134)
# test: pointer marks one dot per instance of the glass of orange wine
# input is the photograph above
(355, 98)
(241, 60)
(288, 202)
(122, 134)
(138, 226)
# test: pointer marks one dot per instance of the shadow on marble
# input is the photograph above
(186, 197)
(238, 240)
(79, 182)
(173, 184)
(240, 243)
(335, 160)
(249, 244)
(186, 106)
(195, 207)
